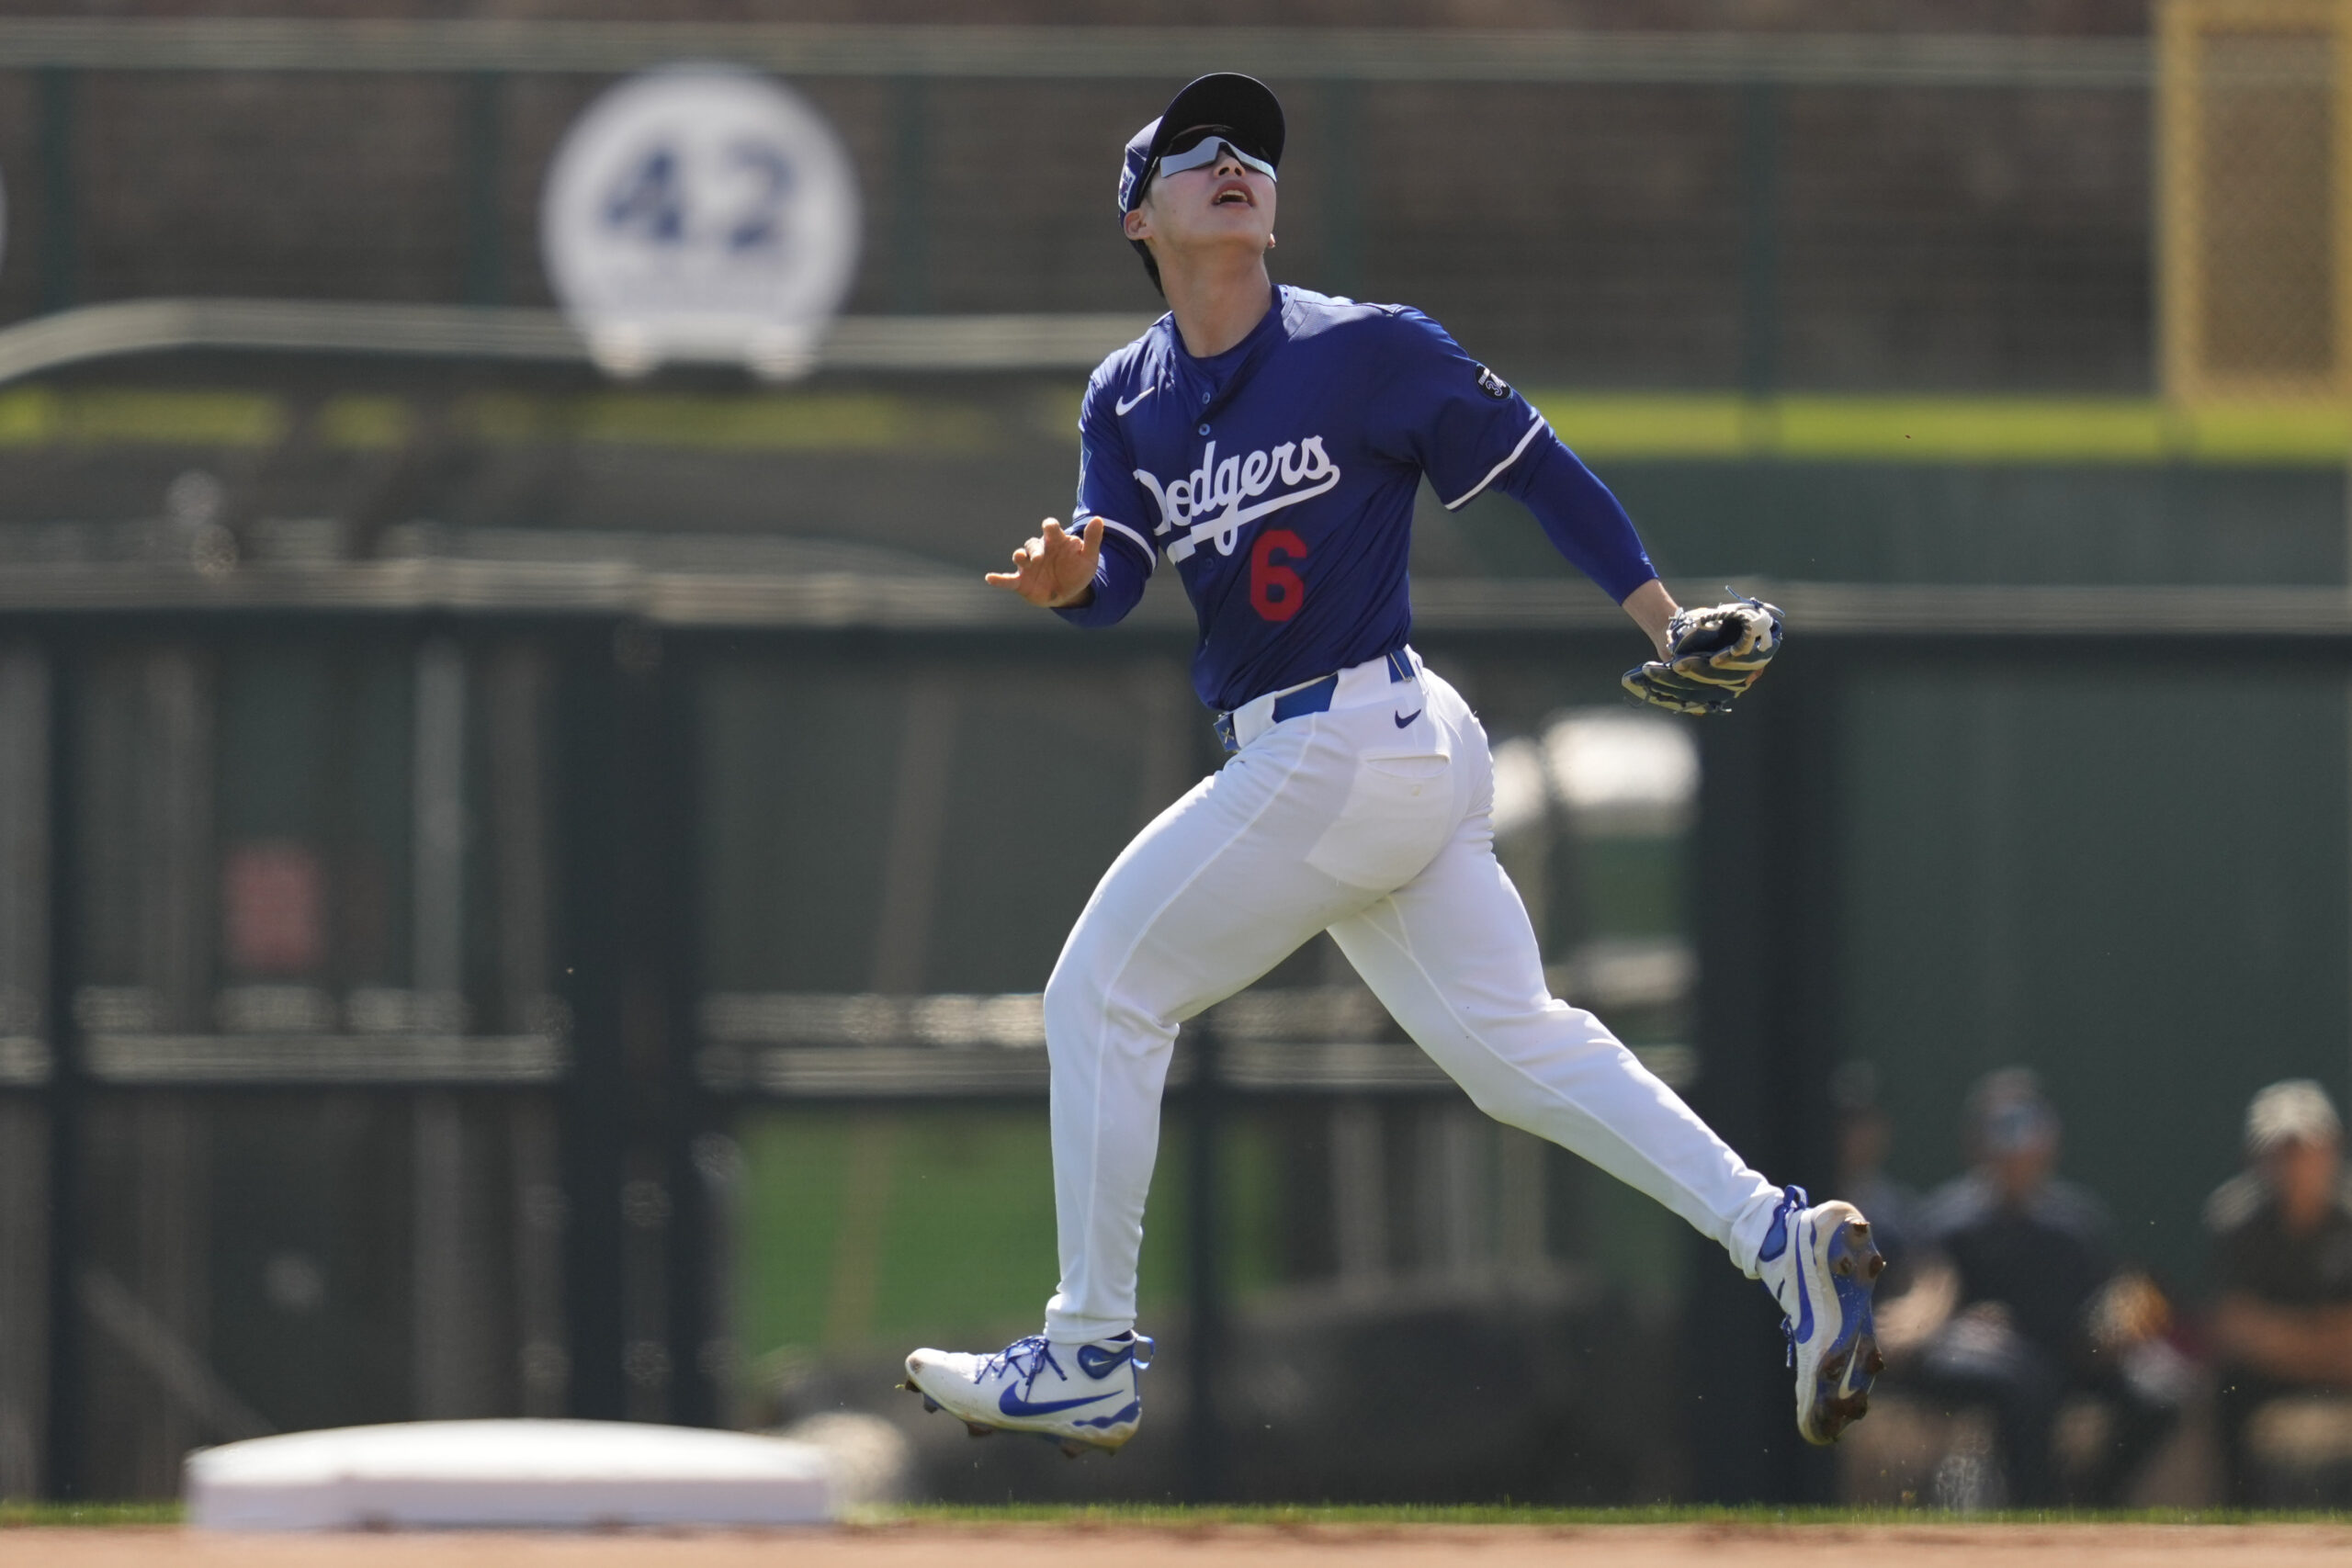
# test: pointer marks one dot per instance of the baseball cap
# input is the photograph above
(1242, 108)
(2295, 1112)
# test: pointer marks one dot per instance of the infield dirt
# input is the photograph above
(1227, 1546)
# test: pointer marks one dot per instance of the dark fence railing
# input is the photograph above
(1633, 210)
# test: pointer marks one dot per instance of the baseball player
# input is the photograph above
(1266, 444)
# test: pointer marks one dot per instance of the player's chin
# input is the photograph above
(1235, 222)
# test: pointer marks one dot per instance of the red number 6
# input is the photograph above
(1276, 590)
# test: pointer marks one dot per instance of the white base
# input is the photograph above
(507, 1475)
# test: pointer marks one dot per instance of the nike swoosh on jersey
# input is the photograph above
(1123, 404)
(1012, 1403)
(1405, 718)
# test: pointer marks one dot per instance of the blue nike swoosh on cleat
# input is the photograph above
(1804, 1299)
(1012, 1403)
(1405, 718)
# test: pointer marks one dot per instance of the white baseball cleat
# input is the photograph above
(1081, 1397)
(1821, 1266)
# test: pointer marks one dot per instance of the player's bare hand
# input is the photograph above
(1054, 569)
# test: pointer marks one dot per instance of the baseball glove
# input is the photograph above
(1713, 655)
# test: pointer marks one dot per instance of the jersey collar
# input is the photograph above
(1222, 375)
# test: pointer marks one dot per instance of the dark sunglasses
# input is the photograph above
(1204, 147)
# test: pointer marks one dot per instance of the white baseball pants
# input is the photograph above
(1370, 821)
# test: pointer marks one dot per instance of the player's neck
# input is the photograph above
(1218, 299)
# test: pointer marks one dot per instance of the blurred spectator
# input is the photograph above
(2034, 1309)
(1864, 1134)
(2282, 1329)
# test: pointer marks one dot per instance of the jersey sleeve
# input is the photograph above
(1581, 517)
(1108, 489)
(1441, 409)
(1471, 431)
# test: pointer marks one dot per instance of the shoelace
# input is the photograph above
(1026, 1358)
(1793, 1201)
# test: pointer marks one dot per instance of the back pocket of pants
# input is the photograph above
(1399, 813)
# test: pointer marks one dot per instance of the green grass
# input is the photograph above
(1600, 425)
(949, 1221)
(21, 1516)
(1916, 429)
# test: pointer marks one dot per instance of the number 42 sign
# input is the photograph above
(700, 213)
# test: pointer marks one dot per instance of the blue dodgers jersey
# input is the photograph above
(1278, 477)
